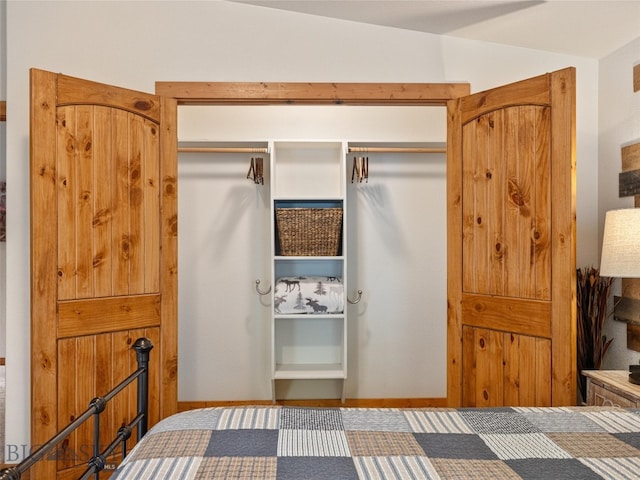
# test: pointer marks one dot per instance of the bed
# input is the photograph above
(101, 454)
(287, 443)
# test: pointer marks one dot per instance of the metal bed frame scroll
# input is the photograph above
(97, 463)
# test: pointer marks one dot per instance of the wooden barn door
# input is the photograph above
(511, 258)
(103, 256)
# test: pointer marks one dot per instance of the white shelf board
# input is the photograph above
(308, 316)
(307, 198)
(309, 371)
(308, 258)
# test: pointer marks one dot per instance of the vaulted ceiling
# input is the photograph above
(575, 27)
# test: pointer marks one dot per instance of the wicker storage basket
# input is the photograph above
(309, 231)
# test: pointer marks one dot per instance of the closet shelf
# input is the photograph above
(293, 258)
(306, 198)
(309, 371)
(308, 316)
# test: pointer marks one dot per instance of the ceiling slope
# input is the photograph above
(591, 29)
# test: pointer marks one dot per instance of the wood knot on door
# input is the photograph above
(478, 307)
(46, 362)
(172, 225)
(101, 217)
(98, 259)
(45, 418)
(143, 105)
(518, 197)
(499, 250)
(125, 244)
(169, 186)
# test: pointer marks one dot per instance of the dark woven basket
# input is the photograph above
(309, 231)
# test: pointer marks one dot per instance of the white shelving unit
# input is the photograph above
(308, 346)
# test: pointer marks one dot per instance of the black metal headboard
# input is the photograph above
(97, 463)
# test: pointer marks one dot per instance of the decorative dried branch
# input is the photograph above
(592, 298)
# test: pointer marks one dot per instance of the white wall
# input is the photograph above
(134, 44)
(619, 125)
(3, 170)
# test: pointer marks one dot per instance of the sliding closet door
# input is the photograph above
(103, 256)
(511, 258)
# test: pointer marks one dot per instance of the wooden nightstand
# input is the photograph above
(611, 388)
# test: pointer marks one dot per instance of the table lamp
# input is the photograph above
(621, 253)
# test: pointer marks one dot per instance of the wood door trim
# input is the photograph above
(265, 93)
(260, 93)
(169, 256)
(3, 111)
(563, 239)
(454, 256)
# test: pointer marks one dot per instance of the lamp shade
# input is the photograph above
(621, 244)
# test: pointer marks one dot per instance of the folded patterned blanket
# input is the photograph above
(319, 295)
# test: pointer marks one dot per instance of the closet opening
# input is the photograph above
(392, 243)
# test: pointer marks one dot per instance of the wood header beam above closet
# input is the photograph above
(3, 111)
(259, 93)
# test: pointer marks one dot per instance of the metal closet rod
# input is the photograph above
(223, 149)
(397, 150)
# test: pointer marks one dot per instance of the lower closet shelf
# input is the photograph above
(310, 371)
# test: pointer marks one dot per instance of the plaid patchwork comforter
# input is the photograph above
(288, 443)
